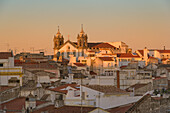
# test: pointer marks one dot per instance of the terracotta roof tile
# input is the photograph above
(157, 78)
(150, 57)
(93, 44)
(93, 73)
(49, 108)
(5, 55)
(3, 88)
(79, 64)
(156, 98)
(17, 104)
(120, 109)
(60, 88)
(33, 65)
(141, 52)
(104, 45)
(73, 109)
(106, 58)
(107, 89)
(127, 55)
(164, 51)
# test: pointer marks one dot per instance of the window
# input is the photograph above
(82, 53)
(1, 64)
(68, 53)
(69, 47)
(62, 54)
(162, 56)
(84, 61)
(74, 53)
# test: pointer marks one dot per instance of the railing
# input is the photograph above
(10, 70)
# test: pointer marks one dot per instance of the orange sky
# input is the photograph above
(26, 24)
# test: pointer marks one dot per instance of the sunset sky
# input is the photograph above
(33, 23)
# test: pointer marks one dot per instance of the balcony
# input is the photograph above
(11, 71)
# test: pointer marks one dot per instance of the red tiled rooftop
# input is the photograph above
(164, 51)
(59, 89)
(3, 88)
(106, 58)
(49, 108)
(120, 109)
(104, 45)
(17, 104)
(79, 64)
(93, 73)
(157, 78)
(5, 55)
(141, 52)
(30, 65)
(156, 98)
(164, 59)
(107, 89)
(152, 57)
(73, 109)
(122, 67)
(127, 55)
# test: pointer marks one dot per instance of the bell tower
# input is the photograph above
(82, 39)
(58, 40)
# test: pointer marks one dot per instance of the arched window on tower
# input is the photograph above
(60, 43)
(83, 43)
(80, 43)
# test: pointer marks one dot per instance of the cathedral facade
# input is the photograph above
(82, 46)
(65, 49)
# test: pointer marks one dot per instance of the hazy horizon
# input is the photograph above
(26, 24)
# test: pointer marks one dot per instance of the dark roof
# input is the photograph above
(158, 78)
(93, 73)
(93, 44)
(50, 109)
(141, 52)
(73, 109)
(5, 55)
(35, 65)
(104, 45)
(164, 65)
(136, 86)
(79, 64)
(127, 55)
(164, 51)
(17, 104)
(3, 88)
(106, 58)
(120, 109)
(60, 88)
(107, 89)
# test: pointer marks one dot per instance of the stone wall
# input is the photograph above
(147, 104)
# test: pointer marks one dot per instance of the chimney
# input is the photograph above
(164, 47)
(145, 52)
(118, 79)
(59, 102)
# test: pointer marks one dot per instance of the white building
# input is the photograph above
(9, 74)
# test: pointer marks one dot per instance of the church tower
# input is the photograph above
(58, 40)
(82, 39)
